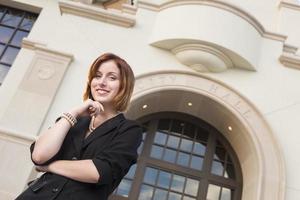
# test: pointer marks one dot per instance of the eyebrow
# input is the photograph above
(113, 73)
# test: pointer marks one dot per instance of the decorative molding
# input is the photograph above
(256, 146)
(289, 58)
(97, 13)
(289, 4)
(130, 9)
(146, 4)
(16, 137)
(202, 58)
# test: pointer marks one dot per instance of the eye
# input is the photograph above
(112, 78)
(97, 76)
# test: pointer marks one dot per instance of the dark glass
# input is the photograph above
(5, 34)
(156, 151)
(230, 172)
(164, 124)
(220, 154)
(177, 126)
(189, 130)
(150, 175)
(2, 11)
(17, 39)
(9, 55)
(202, 135)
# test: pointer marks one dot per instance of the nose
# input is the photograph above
(102, 81)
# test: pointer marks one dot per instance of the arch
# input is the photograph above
(260, 156)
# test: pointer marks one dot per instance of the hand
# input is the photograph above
(88, 108)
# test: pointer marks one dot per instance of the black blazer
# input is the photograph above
(113, 149)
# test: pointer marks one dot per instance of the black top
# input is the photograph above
(113, 149)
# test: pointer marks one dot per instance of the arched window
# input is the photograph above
(182, 158)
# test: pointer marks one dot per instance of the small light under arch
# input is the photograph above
(229, 128)
(145, 106)
(189, 104)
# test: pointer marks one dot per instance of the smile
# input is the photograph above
(102, 91)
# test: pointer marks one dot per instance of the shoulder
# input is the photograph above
(131, 126)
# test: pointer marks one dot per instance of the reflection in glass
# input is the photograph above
(160, 138)
(27, 23)
(177, 183)
(9, 55)
(217, 168)
(18, 38)
(173, 141)
(124, 188)
(150, 175)
(170, 155)
(160, 194)
(186, 145)
(226, 194)
(199, 148)
(156, 152)
(191, 187)
(164, 179)
(174, 196)
(11, 19)
(146, 192)
(183, 159)
(5, 34)
(196, 162)
(213, 192)
(131, 172)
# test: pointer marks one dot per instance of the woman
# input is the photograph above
(89, 149)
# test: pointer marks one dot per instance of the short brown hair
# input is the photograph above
(122, 99)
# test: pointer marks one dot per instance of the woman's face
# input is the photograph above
(106, 83)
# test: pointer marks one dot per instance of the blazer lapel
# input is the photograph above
(79, 133)
(104, 128)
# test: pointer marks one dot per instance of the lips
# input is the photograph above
(102, 91)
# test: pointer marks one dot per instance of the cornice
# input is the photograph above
(289, 58)
(218, 4)
(289, 4)
(96, 13)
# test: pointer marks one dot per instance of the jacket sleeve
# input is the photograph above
(55, 157)
(114, 162)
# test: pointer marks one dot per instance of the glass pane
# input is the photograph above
(9, 55)
(186, 145)
(150, 176)
(3, 71)
(131, 172)
(188, 198)
(220, 154)
(156, 152)
(174, 196)
(196, 162)
(217, 168)
(177, 126)
(229, 172)
(189, 130)
(164, 179)
(173, 141)
(124, 187)
(177, 183)
(199, 148)
(160, 138)
(18, 38)
(146, 192)
(213, 192)
(170, 155)
(183, 159)
(5, 34)
(140, 149)
(226, 194)
(2, 10)
(160, 194)
(12, 19)
(1, 48)
(164, 124)
(191, 187)
(202, 135)
(27, 23)
(144, 135)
